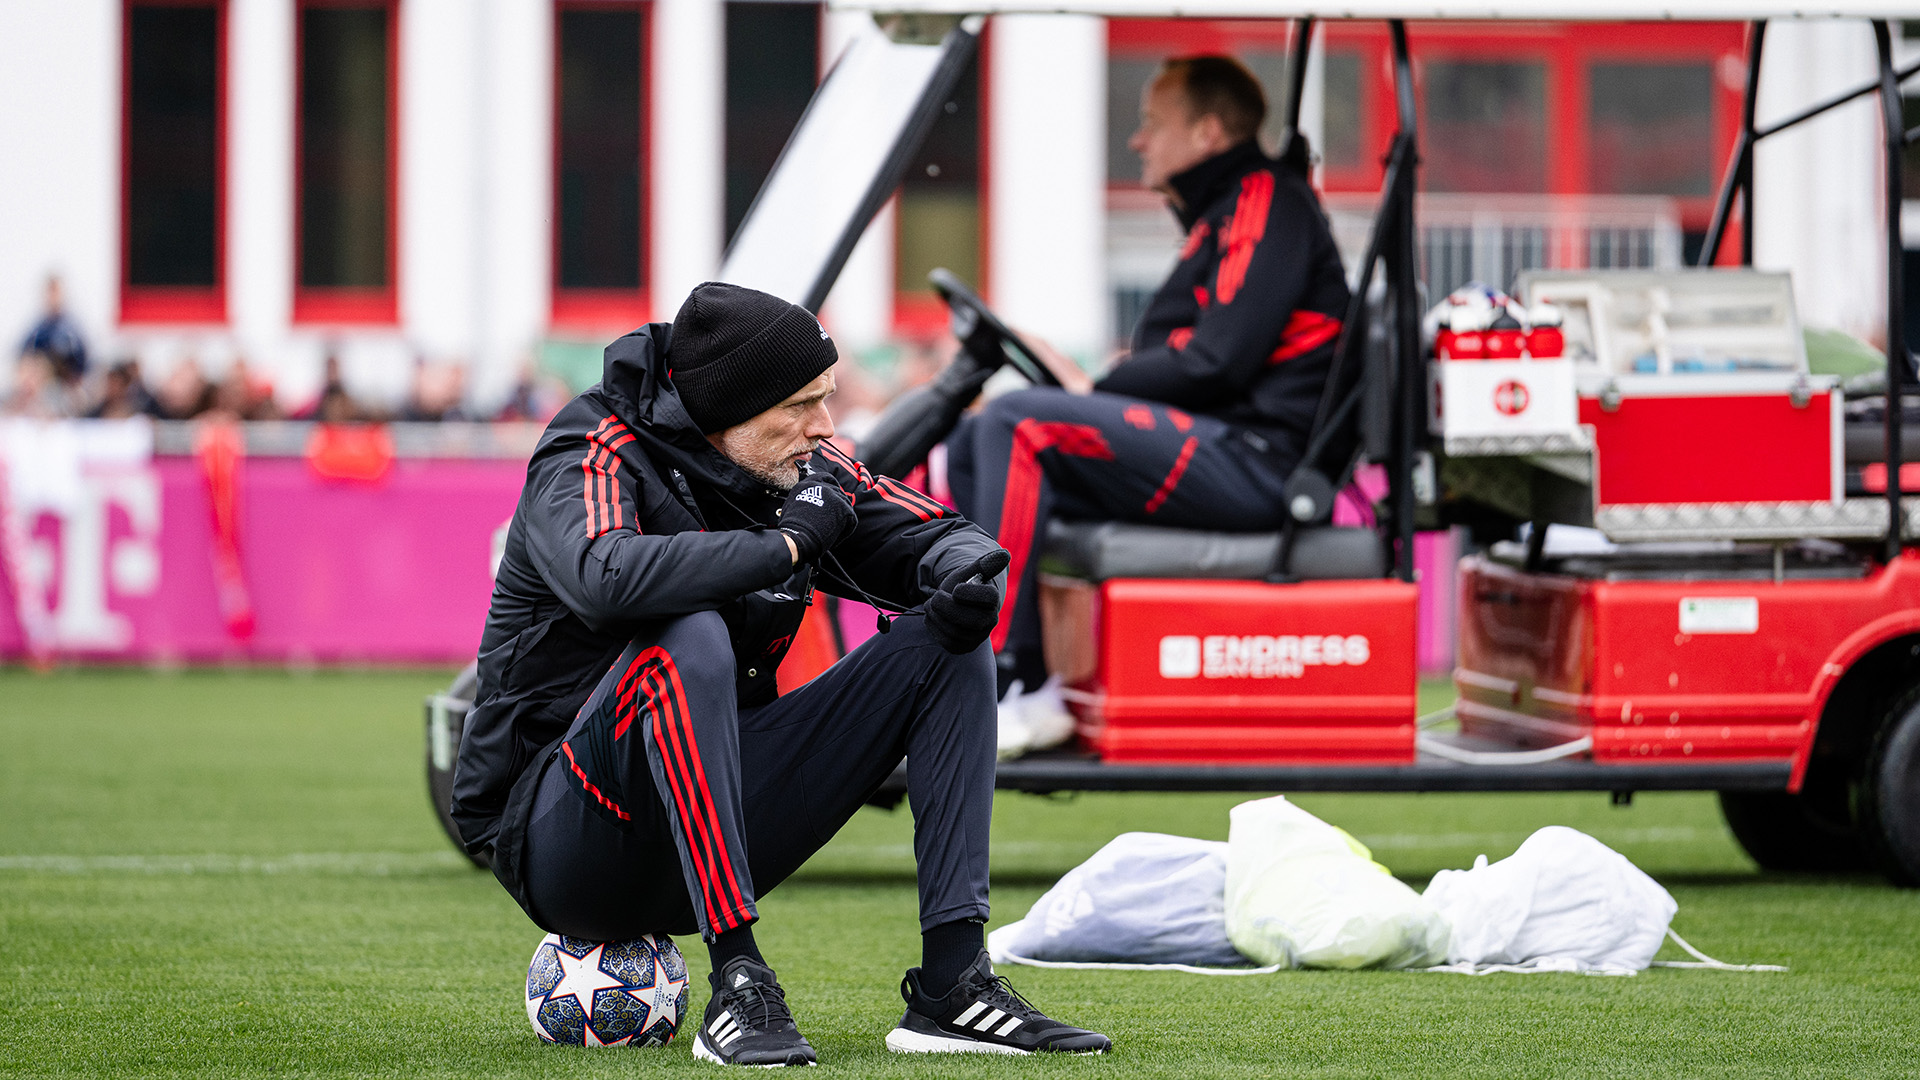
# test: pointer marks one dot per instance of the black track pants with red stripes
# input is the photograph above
(708, 806)
(1043, 452)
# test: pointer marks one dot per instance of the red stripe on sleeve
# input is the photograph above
(1249, 225)
(604, 512)
(587, 484)
(1305, 331)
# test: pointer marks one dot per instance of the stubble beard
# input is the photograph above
(776, 470)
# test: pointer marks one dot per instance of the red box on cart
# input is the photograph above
(1740, 438)
(1237, 672)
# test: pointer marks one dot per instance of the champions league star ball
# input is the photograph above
(606, 993)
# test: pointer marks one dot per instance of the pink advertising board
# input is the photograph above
(121, 566)
(113, 552)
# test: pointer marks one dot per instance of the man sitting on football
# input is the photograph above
(630, 766)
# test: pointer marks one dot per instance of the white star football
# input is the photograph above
(582, 978)
(612, 993)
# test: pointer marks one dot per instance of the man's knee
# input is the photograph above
(1042, 402)
(698, 642)
(962, 672)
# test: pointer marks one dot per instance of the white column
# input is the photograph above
(260, 270)
(1818, 188)
(688, 148)
(1313, 94)
(1047, 177)
(513, 212)
(859, 310)
(440, 246)
(60, 172)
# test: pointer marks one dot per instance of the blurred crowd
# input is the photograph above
(54, 378)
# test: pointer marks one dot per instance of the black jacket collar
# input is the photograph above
(1201, 185)
(636, 380)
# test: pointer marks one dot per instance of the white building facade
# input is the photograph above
(449, 179)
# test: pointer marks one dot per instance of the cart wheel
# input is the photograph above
(446, 719)
(1888, 796)
(1808, 832)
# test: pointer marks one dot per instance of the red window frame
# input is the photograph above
(349, 305)
(167, 303)
(1567, 50)
(600, 309)
(920, 314)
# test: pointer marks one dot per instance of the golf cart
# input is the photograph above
(1748, 624)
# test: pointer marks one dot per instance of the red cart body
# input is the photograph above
(1705, 670)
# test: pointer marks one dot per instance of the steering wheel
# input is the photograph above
(981, 332)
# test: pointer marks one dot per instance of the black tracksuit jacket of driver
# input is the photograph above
(629, 516)
(1243, 329)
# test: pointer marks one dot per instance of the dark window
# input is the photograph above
(1486, 126)
(1649, 126)
(173, 146)
(345, 164)
(1909, 161)
(601, 228)
(940, 197)
(1342, 140)
(773, 58)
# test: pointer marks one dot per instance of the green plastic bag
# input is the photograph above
(1304, 893)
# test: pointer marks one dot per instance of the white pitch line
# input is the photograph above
(349, 863)
(1657, 834)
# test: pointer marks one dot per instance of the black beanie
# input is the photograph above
(737, 352)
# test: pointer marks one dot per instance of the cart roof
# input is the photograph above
(1555, 10)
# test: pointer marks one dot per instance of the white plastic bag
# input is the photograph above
(1145, 898)
(1303, 893)
(1563, 902)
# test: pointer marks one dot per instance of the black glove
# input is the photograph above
(965, 610)
(818, 515)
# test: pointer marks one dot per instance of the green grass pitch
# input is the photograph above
(221, 874)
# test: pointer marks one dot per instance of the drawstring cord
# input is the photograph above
(886, 612)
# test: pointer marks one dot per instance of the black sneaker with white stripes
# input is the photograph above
(748, 1022)
(982, 1014)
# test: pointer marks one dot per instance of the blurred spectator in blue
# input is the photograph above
(123, 393)
(58, 338)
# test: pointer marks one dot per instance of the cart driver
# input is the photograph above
(1198, 424)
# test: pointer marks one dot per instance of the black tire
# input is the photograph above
(1887, 798)
(446, 719)
(1811, 832)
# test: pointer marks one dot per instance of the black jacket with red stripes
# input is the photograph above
(629, 515)
(1244, 327)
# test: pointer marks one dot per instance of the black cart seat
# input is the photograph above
(1099, 550)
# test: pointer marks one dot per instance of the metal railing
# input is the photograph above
(1462, 238)
(1494, 238)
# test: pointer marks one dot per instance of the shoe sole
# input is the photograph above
(706, 1053)
(902, 1041)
